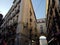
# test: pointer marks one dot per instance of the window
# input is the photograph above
(25, 25)
(59, 10)
(15, 6)
(13, 14)
(53, 3)
(17, 11)
(35, 35)
(59, 6)
(59, 2)
(18, 6)
(55, 20)
(51, 11)
(30, 30)
(49, 17)
(54, 29)
(30, 20)
(17, 18)
(30, 13)
(41, 29)
(56, 13)
(49, 3)
(18, 1)
(13, 9)
(13, 20)
(14, 1)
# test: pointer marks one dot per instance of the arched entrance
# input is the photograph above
(42, 40)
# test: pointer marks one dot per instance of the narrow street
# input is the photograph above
(30, 22)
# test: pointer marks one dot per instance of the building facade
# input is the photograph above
(1, 19)
(1, 22)
(53, 22)
(41, 27)
(21, 20)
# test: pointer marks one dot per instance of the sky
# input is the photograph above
(5, 5)
(39, 8)
(38, 5)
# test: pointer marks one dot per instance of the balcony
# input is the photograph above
(14, 1)
(51, 12)
(17, 11)
(57, 34)
(15, 6)
(57, 15)
(18, 1)
(53, 3)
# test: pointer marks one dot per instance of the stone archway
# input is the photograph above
(42, 40)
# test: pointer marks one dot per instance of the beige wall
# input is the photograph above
(27, 7)
(46, 6)
(39, 25)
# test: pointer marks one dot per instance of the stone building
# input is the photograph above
(21, 18)
(1, 19)
(41, 27)
(53, 22)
